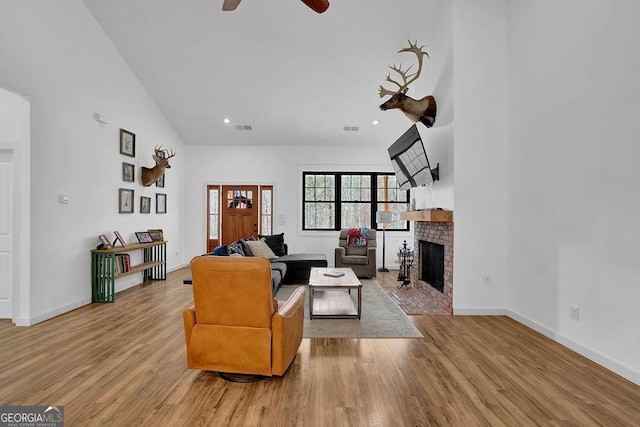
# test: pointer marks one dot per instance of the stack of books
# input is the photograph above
(123, 263)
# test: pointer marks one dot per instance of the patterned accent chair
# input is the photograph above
(361, 259)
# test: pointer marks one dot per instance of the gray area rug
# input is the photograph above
(381, 317)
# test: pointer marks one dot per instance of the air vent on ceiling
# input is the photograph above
(351, 128)
(243, 127)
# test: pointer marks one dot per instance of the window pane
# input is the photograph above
(213, 201)
(355, 215)
(213, 227)
(331, 193)
(266, 225)
(309, 181)
(266, 220)
(239, 199)
(319, 215)
(266, 202)
(309, 194)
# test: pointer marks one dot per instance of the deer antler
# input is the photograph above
(165, 153)
(407, 78)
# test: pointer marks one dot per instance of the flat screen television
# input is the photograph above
(410, 162)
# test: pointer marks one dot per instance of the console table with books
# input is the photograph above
(107, 265)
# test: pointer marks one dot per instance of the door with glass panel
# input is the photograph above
(238, 211)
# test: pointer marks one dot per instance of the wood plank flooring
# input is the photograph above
(124, 364)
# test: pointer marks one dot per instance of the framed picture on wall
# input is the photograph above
(125, 200)
(128, 172)
(127, 143)
(160, 181)
(145, 205)
(161, 203)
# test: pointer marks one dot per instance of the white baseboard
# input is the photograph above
(479, 311)
(30, 321)
(177, 267)
(600, 359)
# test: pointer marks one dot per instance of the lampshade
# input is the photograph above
(384, 217)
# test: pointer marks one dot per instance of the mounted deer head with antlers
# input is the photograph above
(423, 110)
(161, 157)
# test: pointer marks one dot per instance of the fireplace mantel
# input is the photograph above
(428, 216)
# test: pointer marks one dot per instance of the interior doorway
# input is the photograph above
(15, 142)
(6, 233)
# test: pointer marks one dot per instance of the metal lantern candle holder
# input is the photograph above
(405, 258)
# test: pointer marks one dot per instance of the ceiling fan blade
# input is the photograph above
(317, 5)
(228, 5)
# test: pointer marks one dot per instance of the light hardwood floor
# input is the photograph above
(124, 364)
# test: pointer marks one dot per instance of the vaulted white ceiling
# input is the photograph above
(296, 77)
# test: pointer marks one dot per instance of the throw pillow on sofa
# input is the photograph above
(220, 250)
(260, 249)
(235, 248)
(275, 242)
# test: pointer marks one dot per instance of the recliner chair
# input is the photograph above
(361, 259)
(235, 325)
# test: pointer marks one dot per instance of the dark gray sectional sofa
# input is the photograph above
(286, 268)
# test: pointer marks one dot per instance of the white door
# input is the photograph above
(6, 233)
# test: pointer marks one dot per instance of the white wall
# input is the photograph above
(57, 55)
(281, 167)
(480, 155)
(437, 79)
(573, 177)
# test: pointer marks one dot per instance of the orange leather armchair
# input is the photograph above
(234, 326)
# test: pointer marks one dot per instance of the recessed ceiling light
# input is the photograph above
(375, 122)
(227, 121)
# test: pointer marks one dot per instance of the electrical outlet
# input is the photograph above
(575, 312)
(486, 279)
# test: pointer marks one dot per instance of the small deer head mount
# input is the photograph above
(161, 157)
(423, 110)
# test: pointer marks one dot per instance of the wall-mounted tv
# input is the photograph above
(409, 160)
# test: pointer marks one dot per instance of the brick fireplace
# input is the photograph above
(433, 229)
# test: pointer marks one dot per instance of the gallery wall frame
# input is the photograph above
(161, 203)
(125, 200)
(127, 143)
(145, 205)
(128, 172)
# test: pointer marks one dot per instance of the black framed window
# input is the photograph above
(336, 200)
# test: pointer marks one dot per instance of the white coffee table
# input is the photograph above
(330, 297)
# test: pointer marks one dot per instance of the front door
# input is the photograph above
(239, 212)
(6, 233)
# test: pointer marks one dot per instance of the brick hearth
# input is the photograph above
(442, 234)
